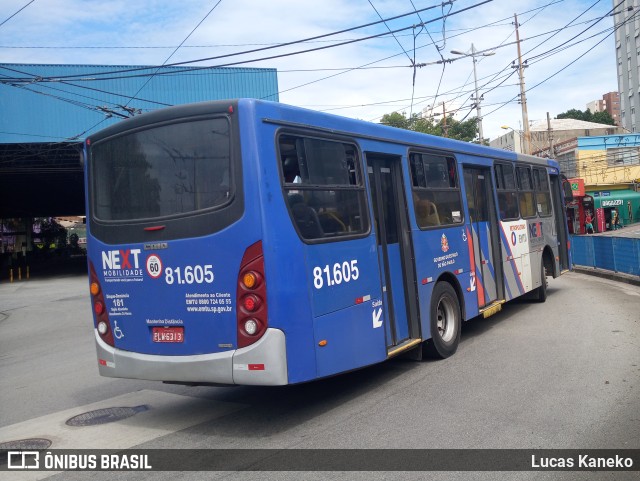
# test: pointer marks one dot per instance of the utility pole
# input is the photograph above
(478, 99)
(523, 96)
(550, 135)
(444, 120)
(473, 53)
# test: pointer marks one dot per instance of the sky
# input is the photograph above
(568, 46)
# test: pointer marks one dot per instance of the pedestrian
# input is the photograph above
(615, 220)
(588, 223)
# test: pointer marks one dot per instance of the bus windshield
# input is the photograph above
(162, 171)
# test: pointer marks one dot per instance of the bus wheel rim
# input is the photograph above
(446, 322)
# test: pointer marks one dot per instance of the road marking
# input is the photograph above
(167, 414)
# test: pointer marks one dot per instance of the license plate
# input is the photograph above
(168, 334)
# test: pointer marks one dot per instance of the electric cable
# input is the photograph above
(16, 13)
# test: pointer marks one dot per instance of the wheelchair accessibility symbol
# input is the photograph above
(117, 331)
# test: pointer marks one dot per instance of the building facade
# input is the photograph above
(612, 105)
(627, 54)
(609, 103)
(46, 112)
(596, 106)
(608, 170)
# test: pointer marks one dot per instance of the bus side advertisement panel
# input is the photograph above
(515, 247)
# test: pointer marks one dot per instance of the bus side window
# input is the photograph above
(507, 195)
(323, 185)
(305, 217)
(436, 193)
(291, 170)
(426, 210)
(525, 192)
(543, 194)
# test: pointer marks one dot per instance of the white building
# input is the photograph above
(561, 130)
(597, 106)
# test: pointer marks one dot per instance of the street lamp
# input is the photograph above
(519, 132)
(473, 53)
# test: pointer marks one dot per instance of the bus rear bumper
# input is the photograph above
(263, 363)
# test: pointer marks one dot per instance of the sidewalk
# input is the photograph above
(605, 274)
(632, 230)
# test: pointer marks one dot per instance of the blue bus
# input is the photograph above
(251, 242)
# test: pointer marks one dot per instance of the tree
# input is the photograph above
(50, 231)
(599, 117)
(397, 120)
(603, 117)
(465, 131)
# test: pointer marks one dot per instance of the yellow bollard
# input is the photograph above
(11, 275)
(19, 273)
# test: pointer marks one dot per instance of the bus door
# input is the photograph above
(560, 222)
(394, 249)
(485, 235)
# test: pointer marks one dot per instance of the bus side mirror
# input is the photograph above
(566, 188)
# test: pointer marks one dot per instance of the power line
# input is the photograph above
(392, 34)
(571, 63)
(360, 67)
(9, 81)
(173, 53)
(497, 22)
(284, 44)
(11, 16)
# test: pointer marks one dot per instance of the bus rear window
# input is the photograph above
(163, 171)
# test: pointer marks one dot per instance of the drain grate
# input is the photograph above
(34, 444)
(105, 416)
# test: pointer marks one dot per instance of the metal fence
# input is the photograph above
(618, 254)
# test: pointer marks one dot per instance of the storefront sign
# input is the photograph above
(577, 187)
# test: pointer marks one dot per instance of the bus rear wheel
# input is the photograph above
(445, 322)
(540, 293)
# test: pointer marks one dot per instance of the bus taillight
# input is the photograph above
(100, 312)
(251, 300)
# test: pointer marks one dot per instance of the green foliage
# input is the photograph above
(586, 115)
(50, 231)
(465, 131)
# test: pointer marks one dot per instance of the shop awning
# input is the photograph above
(613, 198)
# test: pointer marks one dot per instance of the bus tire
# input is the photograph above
(445, 323)
(540, 293)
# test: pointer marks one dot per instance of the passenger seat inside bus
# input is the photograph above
(305, 217)
(426, 211)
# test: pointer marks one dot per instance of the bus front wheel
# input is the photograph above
(445, 322)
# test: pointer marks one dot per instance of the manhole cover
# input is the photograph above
(34, 444)
(104, 416)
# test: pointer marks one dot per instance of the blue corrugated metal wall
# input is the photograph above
(34, 111)
(619, 254)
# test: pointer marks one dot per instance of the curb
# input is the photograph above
(611, 275)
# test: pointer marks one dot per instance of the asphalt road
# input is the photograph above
(563, 374)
